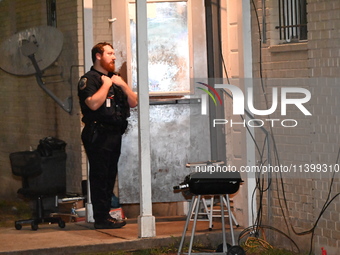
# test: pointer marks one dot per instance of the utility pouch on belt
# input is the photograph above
(93, 134)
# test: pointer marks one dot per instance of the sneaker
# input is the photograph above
(110, 223)
(117, 221)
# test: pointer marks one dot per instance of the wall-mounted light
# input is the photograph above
(112, 20)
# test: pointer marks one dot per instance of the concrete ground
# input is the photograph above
(81, 237)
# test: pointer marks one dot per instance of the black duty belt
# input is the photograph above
(107, 126)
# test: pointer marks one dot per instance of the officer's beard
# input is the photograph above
(110, 67)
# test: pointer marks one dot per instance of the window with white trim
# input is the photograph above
(169, 43)
(292, 20)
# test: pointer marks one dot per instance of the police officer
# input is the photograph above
(105, 101)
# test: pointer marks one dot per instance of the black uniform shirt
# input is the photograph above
(115, 109)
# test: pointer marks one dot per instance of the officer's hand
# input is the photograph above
(117, 80)
(132, 97)
(106, 81)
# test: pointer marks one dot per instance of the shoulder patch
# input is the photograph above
(82, 83)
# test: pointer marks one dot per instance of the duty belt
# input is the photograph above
(107, 126)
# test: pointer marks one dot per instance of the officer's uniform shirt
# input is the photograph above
(115, 109)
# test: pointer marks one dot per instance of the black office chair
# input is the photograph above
(30, 165)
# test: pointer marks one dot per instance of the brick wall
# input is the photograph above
(316, 138)
(102, 28)
(69, 21)
(324, 61)
(32, 117)
(28, 114)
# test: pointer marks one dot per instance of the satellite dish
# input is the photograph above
(45, 42)
(30, 52)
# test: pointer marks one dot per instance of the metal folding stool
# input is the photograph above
(205, 184)
(194, 206)
(209, 212)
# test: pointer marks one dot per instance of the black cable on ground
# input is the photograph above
(254, 233)
(279, 179)
(327, 202)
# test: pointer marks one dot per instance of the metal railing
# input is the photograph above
(292, 20)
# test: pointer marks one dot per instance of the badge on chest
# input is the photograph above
(108, 101)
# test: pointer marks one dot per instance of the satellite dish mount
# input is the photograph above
(31, 51)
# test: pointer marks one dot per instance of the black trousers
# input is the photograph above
(103, 147)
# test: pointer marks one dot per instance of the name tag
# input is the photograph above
(108, 102)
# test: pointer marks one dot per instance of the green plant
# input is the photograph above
(268, 251)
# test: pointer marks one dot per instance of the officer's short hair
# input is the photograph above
(99, 48)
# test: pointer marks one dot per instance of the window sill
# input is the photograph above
(171, 100)
(288, 47)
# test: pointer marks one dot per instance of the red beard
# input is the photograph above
(110, 67)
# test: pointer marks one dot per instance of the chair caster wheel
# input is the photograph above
(61, 224)
(220, 247)
(236, 250)
(18, 226)
(34, 226)
(231, 250)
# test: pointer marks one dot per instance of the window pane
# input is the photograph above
(292, 20)
(168, 42)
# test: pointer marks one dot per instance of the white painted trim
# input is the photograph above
(88, 32)
(247, 76)
(88, 44)
(146, 222)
